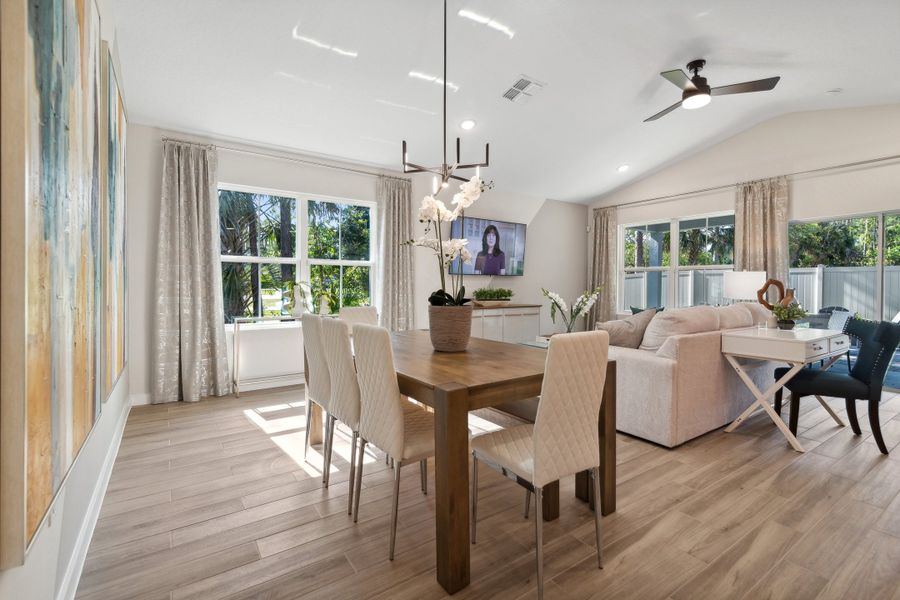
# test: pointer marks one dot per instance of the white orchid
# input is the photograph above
(433, 212)
(433, 209)
(580, 307)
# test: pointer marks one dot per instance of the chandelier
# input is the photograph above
(445, 171)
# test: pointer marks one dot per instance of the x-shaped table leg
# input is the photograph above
(762, 400)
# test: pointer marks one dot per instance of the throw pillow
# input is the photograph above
(635, 310)
(627, 332)
(679, 321)
(734, 316)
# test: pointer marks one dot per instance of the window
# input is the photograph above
(705, 249)
(271, 240)
(339, 245)
(705, 252)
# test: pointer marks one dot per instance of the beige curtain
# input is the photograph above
(189, 355)
(395, 261)
(602, 264)
(760, 228)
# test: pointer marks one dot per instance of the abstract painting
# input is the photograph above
(62, 238)
(113, 212)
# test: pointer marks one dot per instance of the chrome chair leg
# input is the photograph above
(474, 494)
(353, 445)
(539, 538)
(308, 428)
(394, 507)
(358, 485)
(595, 475)
(527, 503)
(423, 473)
(329, 444)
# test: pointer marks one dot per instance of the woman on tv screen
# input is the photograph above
(491, 260)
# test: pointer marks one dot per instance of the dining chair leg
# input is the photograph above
(598, 527)
(778, 396)
(394, 507)
(423, 473)
(527, 502)
(795, 413)
(359, 471)
(308, 427)
(329, 444)
(474, 494)
(876, 426)
(539, 538)
(851, 415)
(353, 445)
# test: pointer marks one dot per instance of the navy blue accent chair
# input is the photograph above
(877, 343)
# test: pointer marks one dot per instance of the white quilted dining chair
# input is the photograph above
(318, 380)
(388, 420)
(344, 391)
(366, 315)
(564, 439)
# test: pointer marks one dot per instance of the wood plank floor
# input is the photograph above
(214, 500)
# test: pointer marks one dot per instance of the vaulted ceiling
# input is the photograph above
(332, 77)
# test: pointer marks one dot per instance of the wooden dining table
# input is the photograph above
(487, 374)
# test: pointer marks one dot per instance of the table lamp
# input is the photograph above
(743, 285)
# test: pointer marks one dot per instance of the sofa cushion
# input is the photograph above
(760, 313)
(735, 316)
(627, 332)
(695, 319)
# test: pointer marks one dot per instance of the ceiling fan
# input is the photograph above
(695, 92)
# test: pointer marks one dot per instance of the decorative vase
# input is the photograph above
(299, 302)
(786, 324)
(450, 327)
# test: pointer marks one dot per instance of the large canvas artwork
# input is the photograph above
(53, 221)
(114, 233)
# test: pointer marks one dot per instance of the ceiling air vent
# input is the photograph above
(523, 89)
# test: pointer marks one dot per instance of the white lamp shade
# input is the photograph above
(743, 285)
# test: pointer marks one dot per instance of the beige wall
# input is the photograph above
(786, 144)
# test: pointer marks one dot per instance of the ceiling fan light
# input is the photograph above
(693, 101)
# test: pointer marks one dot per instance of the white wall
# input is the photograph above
(54, 560)
(555, 246)
(786, 144)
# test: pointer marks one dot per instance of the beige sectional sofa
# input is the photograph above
(677, 385)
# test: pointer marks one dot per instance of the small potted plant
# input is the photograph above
(788, 315)
(492, 296)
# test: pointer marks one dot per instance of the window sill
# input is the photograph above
(264, 326)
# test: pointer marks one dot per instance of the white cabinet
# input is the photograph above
(514, 324)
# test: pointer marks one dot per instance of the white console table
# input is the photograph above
(513, 323)
(796, 347)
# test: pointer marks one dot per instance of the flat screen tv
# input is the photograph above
(498, 247)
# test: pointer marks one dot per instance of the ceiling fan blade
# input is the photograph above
(663, 113)
(679, 78)
(760, 85)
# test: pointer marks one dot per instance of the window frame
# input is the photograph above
(301, 260)
(674, 266)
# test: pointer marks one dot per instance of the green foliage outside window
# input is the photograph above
(839, 243)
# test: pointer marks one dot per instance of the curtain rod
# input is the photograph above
(731, 185)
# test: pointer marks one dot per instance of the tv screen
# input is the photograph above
(498, 247)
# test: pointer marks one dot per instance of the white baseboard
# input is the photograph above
(72, 574)
(264, 383)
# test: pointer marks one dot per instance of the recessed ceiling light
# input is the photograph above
(834, 91)
(623, 168)
(467, 124)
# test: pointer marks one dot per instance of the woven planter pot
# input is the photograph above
(450, 327)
